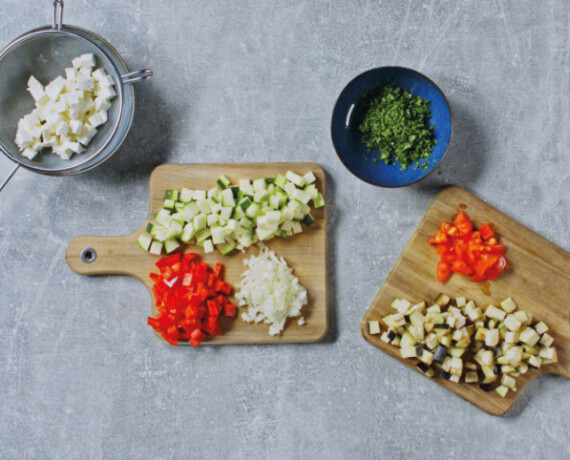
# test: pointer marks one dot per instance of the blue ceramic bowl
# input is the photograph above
(351, 107)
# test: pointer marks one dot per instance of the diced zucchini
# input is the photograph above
(144, 242)
(280, 181)
(228, 198)
(190, 210)
(163, 217)
(200, 221)
(223, 182)
(199, 195)
(319, 202)
(225, 248)
(188, 232)
(295, 178)
(171, 245)
(186, 195)
(309, 178)
(155, 248)
(171, 195)
(208, 246)
(245, 187)
(226, 213)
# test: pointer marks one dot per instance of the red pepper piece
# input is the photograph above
(443, 272)
(230, 310)
(486, 231)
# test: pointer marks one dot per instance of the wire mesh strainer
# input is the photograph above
(45, 53)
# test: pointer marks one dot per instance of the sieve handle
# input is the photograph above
(3, 184)
(57, 21)
(137, 75)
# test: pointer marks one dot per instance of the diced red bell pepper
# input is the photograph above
(486, 231)
(230, 310)
(189, 296)
(465, 250)
(443, 272)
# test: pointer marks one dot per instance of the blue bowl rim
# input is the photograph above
(408, 70)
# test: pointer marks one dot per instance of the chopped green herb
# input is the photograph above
(397, 123)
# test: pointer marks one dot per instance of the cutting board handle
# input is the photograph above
(103, 255)
(561, 369)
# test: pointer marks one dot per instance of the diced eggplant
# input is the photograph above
(391, 335)
(486, 387)
(440, 353)
(445, 375)
(426, 369)
(419, 351)
(442, 300)
(541, 327)
(373, 327)
(535, 361)
(441, 326)
(502, 390)
(497, 369)
(471, 377)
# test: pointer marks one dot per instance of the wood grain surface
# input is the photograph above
(306, 253)
(538, 280)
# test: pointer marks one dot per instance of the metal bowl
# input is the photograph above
(45, 53)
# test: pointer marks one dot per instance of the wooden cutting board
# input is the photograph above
(306, 253)
(538, 281)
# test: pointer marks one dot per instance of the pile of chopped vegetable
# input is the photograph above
(467, 251)
(190, 298)
(233, 216)
(271, 291)
(397, 123)
(455, 339)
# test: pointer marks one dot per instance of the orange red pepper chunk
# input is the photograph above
(464, 250)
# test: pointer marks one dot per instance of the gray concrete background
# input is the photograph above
(82, 376)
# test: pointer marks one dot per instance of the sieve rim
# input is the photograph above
(111, 54)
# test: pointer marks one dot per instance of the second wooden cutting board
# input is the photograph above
(306, 253)
(539, 281)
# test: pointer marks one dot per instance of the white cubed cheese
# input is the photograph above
(54, 88)
(97, 119)
(30, 154)
(106, 92)
(62, 128)
(84, 83)
(75, 126)
(60, 106)
(85, 60)
(36, 89)
(70, 75)
(102, 104)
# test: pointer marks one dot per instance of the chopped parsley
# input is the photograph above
(397, 124)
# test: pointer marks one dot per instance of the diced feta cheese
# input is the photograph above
(102, 104)
(84, 83)
(85, 60)
(36, 89)
(54, 88)
(68, 110)
(30, 154)
(97, 119)
(62, 128)
(106, 92)
(70, 74)
(75, 126)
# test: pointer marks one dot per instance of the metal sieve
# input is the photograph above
(45, 53)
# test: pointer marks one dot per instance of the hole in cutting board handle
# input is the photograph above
(88, 255)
